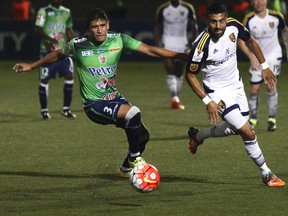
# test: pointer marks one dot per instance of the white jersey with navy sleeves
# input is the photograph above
(175, 21)
(217, 58)
(266, 32)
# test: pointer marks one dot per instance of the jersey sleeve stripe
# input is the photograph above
(230, 19)
(189, 6)
(277, 14)
(202, 41)
(161, 7)
(248, 17)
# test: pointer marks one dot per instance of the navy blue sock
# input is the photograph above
(67, 90)
(133, 132)
(144, 138)
(43, 92)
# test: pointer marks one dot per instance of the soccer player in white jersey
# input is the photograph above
(172, 20)
(214, 54)
(264, 26)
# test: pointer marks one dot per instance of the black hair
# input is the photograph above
(95, 14)
(216, 8)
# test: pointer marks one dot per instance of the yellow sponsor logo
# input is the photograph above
(114, 49)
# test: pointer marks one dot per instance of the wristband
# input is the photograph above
(206, 100)
(264, 65)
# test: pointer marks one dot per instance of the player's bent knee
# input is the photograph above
(133, 117)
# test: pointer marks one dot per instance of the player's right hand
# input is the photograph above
(212, 109)
(268, 77)
(21, 67)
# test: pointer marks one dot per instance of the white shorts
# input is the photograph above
(256, 75)
(177, 44)
(234, 102)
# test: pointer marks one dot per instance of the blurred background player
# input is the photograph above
(173, 18)
(264, 25)
(54, 26)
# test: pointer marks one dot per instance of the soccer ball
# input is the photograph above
(144, 178)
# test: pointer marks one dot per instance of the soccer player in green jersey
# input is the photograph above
(97, 55)
(54, 26)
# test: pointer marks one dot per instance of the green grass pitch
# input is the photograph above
(66, 167)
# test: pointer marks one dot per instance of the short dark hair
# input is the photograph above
(216, 8)
(95, 14)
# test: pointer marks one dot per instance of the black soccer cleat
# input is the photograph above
(45, 115)
(271, 124)
(193, 143)
(68, 114)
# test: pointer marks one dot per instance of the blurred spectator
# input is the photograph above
(239, 9)
(202, 10)
(22, 9)
(278, 5)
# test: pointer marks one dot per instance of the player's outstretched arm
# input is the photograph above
(50, 58)
(160, 52)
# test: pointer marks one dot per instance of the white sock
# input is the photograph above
(179, 83)
(172, 84)
(254, 152)
(265, 170)
(272, 100)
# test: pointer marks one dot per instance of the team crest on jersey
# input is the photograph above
(193, 67)
(271, 24)
(198, 54)
(59, 17)
(87, 53)
(102, 59)
(222, 104)
(182, 13)
(232, 37)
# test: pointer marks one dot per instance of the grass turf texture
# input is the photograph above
(67, 167)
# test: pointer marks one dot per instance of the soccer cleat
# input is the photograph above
(253, 123)
(123, 174)
(272, 180)
(271, 124)
(137, 162)
(193, 143)
(68, 114)
(175, 104)
(45, 115)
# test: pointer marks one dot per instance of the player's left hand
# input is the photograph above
(269, 78)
